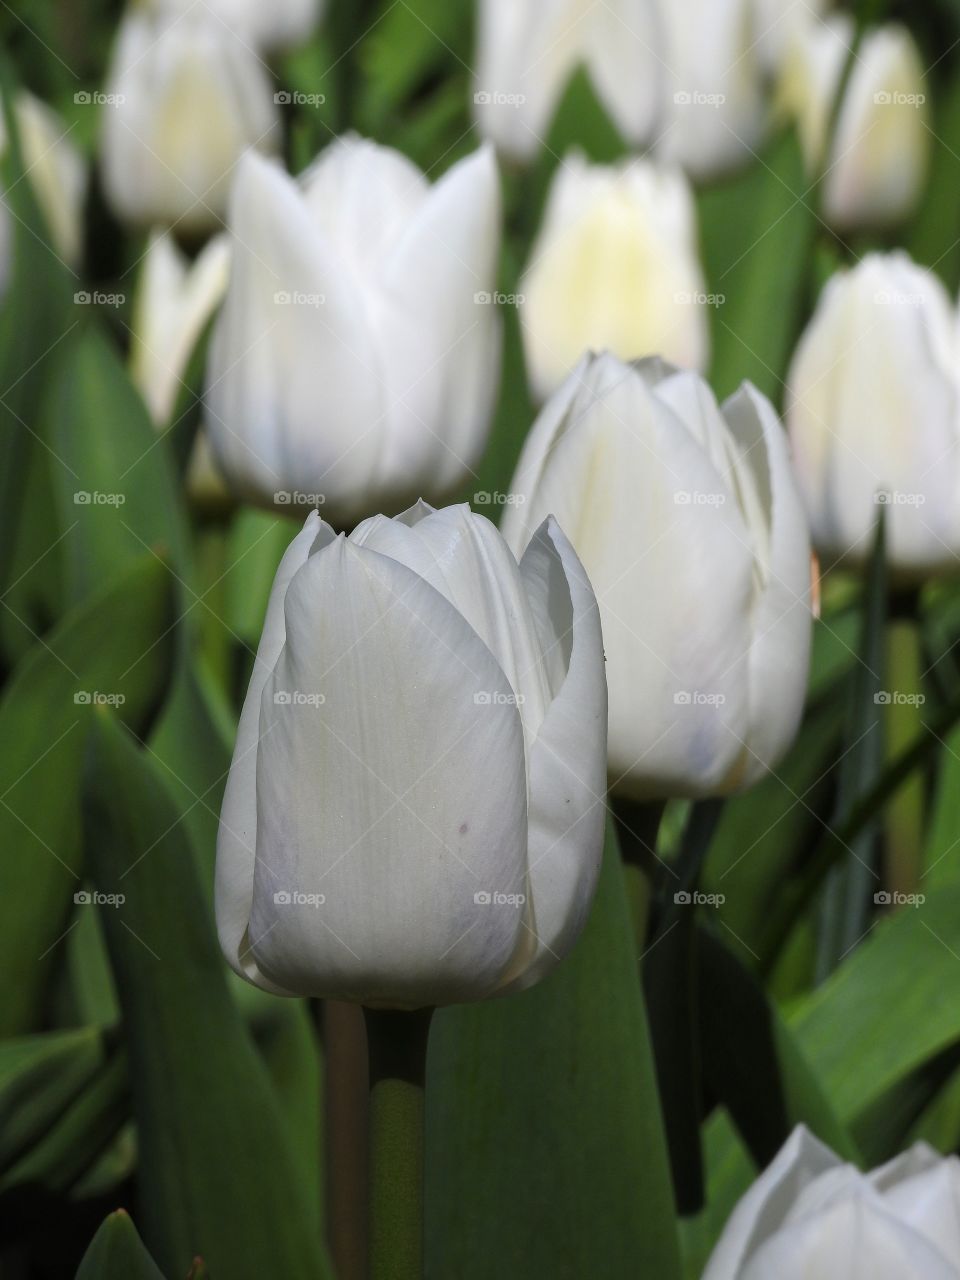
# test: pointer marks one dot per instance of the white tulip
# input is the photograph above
(175, 300)
(809, 1214)
(877, 161)
(414, 813)
(687, 519)
(615, 266)
(873, 411)
(55, 169)
(778, 23)
(277, 25)
(715, 110)
(185, 98)
(357, 354)
(528, 50)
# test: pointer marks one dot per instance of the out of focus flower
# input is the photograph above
(278, 24)
(876, 163)
(175, 300)
(687, 519)
(615, 266)
(810, 1214)
(357, 354)
(528, 50)
(778, 22)
(55, 168)
(185, 98)
(873, 410)
(414, 812)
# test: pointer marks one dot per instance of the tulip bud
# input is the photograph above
(277, 25)
(715, 113)
(809, 1214)
(175, 300)
(527, 51)
(186, 97)
(876, 163)
(686, 517)
(357, 354)
(873, 411)
(616, 267)
(55, 169)
(414, 813)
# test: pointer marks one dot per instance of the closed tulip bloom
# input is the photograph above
(190, 98)
(876, 164)
(615, 266)
(686, 517)
(175, 300)
(277, 25)
(357, 353)
(810, 1214)
(414, 813)
(528, 50)
(873, 411)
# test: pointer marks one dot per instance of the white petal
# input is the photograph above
(399, 798)
(237, 837)
(622, 44)
(922, 1189)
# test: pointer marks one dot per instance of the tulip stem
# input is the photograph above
(904, 723)
(398, 1056)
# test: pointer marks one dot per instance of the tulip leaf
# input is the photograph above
(116, 646)
(117, 491)
(933, 240)
(117, 1253)
(545, 1146)
(216, 1174)
(757, 231)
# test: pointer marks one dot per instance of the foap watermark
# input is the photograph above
(96, 498)
(498, 98)
(898, 498)
(694, 898)
(296, 98)
(298, 298)
(895, 698)
(497, 499)
(896, 98)
(295, 898)
(94, 98)
(894, 898)
(494, 898)
(94, 698)
(496, 298)
(98, 298)
(697, 298)
(694, 498)
(296, 498)
(297, 698)
(698, 698)
(895, 298)
(697, 98)
(497, 698)
(94, 898)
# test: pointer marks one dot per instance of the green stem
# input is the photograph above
(904, 723)
(638, 825)
(398, 1056)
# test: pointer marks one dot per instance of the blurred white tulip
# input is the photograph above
(810, 1214)
(877, 161)
(414, 814)
(280, 24)
(873, 411)
(185, 98)
(175, 300)
(687, 519)
(528, 50)
(57, 172)
(715, 107)
(357, 354)
(615, 266)
(777, 23)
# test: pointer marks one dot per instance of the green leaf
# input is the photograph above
(933, 238)
(117, 493)
(117, 1253)
(545, 1146)
(216, 1175)
(757, 232)
(117, 645)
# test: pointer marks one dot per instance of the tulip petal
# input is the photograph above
(384, 711)
(237, 837)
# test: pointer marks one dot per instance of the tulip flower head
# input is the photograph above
(186, 97)
(280, 24)
(810, 1214)
(615, 266)
(873, 412)
(687, 519)
(876, 164)
(414, 813)
(357, 354)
